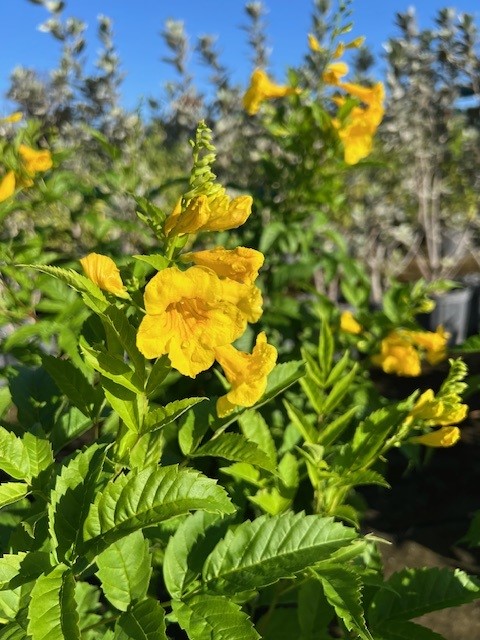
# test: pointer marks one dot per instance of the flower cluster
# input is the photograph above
(195, 314)
(357, 128)
(31, 162)
(401, 351)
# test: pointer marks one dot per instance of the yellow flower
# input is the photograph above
(356, 43)
(434, 343)
(357, 132)
(208, 214)
(13, 117)
(103, 271)
(261, 88)
(7, 186)
(349, 324)
(313, 43)
(189, 314)
(240, 264)
(434, 411)
(35, 160)
(397, 355)
(247, 373)
(339, 51)
(443, 437)
(334, 72)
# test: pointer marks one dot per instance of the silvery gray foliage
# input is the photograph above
(70, 97)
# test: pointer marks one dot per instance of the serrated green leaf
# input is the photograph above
(337, 370)
(236, 448)
(70, 500)
(261, 552)
(124, 570)
(53, 609)
(413, 592)
(342, 588)
(142, 499)
(24, 458)
(255, 429)
(145, 620)
(112, 367)
(184, 553)
(207, 617)
(67, 427)
(161, 416)
(11, 492)
(20, 568)
(73, 384)
(129, 405)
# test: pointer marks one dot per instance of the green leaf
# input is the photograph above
(145, 620)
(53, 610)
(160, 370)
(142, 499)
(325, 347)
(72, 278)
(184, 555)
(24, 458)
(68, 427)
(339, 391)
(333, 430)
(301, 423)
(11, 492)
(131, 406)
(342, 588)
(282, 625)
(207, 617)
(73, 384)
(74, 491)
(13, 631)
(155, 260)
(255, 429)
(413, 592)
(115, 321)
(314, 613)
(112, 367)
(20, 568)
(259, 553)
(124, 570)
(404, 630)
(161, 416)
(235, 447)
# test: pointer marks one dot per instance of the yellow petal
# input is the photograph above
(189, 314)
(339, 51)
(103, 271)
(241, 264)
(247, 373)
(7, 186)
(225, 213)
(262, 88)
(13, 117)
(191, 220)
(349, 324)
(443, 437)
(313, 43)
(35, 160)
(397, 355)
(334, 72)
(355, 44)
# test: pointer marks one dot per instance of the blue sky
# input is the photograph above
(137, 25)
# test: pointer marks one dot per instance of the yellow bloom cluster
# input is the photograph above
(357, 130)
(401, 351)
(261, 88)
(32, 161)
(444, 412)
(194, 314)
